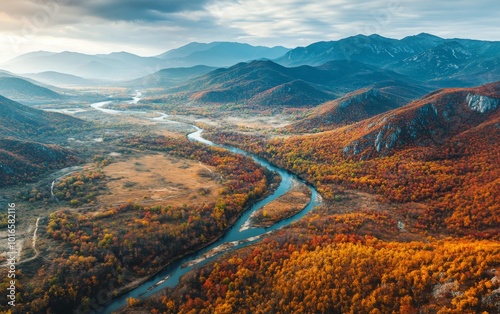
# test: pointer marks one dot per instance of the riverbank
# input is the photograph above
(286, 206)
(138, 282)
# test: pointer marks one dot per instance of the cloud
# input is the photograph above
(137, 10)
(295, 22)
(152, 26)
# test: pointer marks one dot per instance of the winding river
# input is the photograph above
(235, 237)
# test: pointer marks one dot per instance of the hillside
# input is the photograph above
(62, 79)
(21, 158)
(22, 161)
(265, 82)
(440, 61)
(23, 122)
(354, 107)
(169, 77)
(296, 93)
(19, 89)
(432, 120)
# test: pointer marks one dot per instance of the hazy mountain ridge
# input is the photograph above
(169, 77)
(220, 54)
(128, 66)
(63, 79)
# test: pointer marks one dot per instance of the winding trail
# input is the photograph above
(34, 245)
(37, 253)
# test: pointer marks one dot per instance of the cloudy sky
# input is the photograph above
(150, 27)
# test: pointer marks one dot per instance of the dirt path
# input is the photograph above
(37, 253)
(204, 166)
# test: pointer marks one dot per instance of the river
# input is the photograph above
(235, 237)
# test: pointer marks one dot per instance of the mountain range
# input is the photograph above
(266, 83)
(444, 62)
(317, 73)
(128, 66)
(323, 71)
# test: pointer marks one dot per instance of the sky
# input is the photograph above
(151, 27)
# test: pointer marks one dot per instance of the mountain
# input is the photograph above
(423, 40)
(24, 122)
(424, 57)
(62, 79)
(432, 120)
(127, 66)
(219, 54)
(169, 77)
(19, 89)
(186, 50)
(373, 49)
(353, 107)
(439, 61)
(265, 82)
(479, 71)
(114, 66)
(296, 93)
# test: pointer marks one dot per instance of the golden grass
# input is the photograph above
(160, 180)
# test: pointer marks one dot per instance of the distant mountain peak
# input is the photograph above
(427, 35)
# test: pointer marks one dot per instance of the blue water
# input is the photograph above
(234, 237)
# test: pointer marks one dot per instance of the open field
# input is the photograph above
(253, 123)
(160, 180)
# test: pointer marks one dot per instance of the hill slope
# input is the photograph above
(432, 120)
(354, 107)
(264, 82)
(22, 161)
(169, 77)
(20, 158)
(21, 90)
(23, 122)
